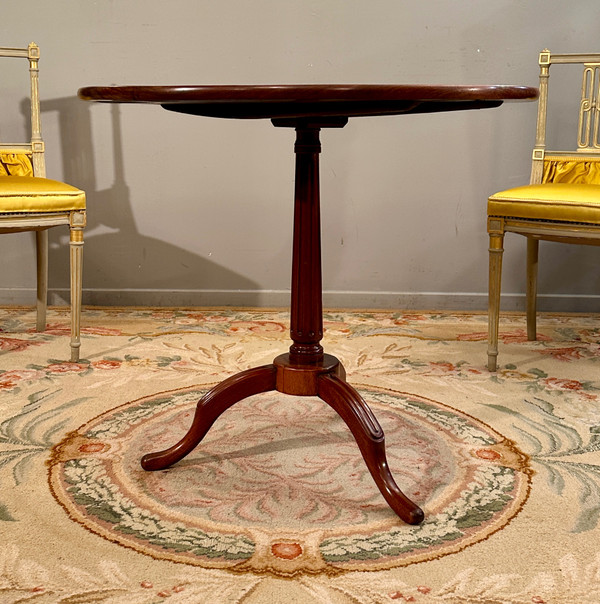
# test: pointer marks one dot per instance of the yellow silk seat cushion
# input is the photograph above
(551, 201)
(34, 194)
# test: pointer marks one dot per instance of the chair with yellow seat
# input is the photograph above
(562, 201)
(31, 202)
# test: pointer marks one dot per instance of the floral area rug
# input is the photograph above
(276, 504)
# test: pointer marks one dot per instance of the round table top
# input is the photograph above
(310, 100)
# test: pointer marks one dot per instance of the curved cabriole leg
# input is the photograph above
(368, 434)
(209, 408)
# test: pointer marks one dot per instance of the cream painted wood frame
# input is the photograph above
(588, 144)
(14, 222)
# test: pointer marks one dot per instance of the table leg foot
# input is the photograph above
(351, 407)
(209, 408)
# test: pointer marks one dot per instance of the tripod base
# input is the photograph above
(325, 379)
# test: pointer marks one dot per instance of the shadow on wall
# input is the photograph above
(121, 265)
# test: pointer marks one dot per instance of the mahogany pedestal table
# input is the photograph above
(305, 369)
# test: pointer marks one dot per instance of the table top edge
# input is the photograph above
(305, 93)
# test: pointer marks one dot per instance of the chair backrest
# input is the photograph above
(582, 164)
(26, 159)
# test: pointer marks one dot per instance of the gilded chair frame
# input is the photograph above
(32, 154)
(543, 163)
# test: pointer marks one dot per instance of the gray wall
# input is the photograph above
(186, 210)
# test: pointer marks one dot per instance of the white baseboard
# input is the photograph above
(459, 301)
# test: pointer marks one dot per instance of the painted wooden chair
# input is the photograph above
(562, 201)
(31, 202)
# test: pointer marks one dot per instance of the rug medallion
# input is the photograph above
(278, 484)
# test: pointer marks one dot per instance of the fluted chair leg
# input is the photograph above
(41, 247)
(76, 253)
(532, 271)
(495, 276)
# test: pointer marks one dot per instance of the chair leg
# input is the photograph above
(495, 252)
(41, 248)
(76, 253)
(532, 271)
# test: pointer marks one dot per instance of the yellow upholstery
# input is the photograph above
(31, 202)
(15, 163)
(575, 170)
(32, 194)
(562, 201)
(550, 201)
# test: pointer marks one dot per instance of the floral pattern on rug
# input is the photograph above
(544, 398)
(23, 580)
(558, 450)
(279, 485)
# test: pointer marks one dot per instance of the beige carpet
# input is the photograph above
(276, 505)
